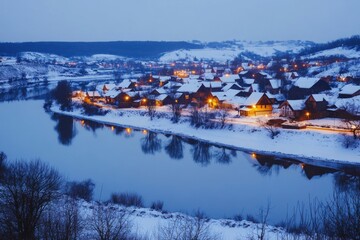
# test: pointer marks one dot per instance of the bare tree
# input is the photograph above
(27, 190)
(271, 128)
(62, 221)
(352, 118)
(176, 112)
(108, 223)
(187, 228)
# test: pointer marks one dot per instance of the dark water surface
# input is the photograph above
(186, 174)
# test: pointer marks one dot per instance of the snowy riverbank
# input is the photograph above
(148, 223)
(312, 145)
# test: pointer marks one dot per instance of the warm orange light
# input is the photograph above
(128, 130)
(144, 131)
(307, 114)
(253, 155)
(82, 122)
(254, 106)
(127, 98)
(176, 100)
(112, 128)
(144, 100)
(210, 100)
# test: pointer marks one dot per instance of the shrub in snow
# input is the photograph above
(83, 190)
(349, 141)
(127, 199)
(158, 205)
(91, 110)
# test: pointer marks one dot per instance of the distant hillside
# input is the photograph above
(131, 49)
(348, 43)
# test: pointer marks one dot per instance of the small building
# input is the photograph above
(349, 91)
(294, 109)
(306, 86)
(256, 104)
(316, 106)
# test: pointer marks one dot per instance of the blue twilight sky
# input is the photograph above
(205, 20)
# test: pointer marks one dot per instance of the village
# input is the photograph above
(273, 89)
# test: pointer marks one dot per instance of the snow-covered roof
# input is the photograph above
(229, 78)
(191, 87)
(229, 86)
(109, 86)
(248, 80)
(125, 83)
(228, 95)
(275, 83)
(161, 97)
(319, 97)
(265, 74)
(161, 90)
(255, 87)
(305, 82)
(347, 103)
(212, 84)
(296, 105)
(253, 99)
(93, 94)
(208, 75)
(112, 93)
(350, 89)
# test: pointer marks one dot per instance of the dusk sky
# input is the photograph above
(205, 20)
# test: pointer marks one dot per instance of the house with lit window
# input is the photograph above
(256, 104)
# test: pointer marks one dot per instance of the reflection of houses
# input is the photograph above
(256, 104)
(312, 171)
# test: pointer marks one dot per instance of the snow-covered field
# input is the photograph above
(245, 134)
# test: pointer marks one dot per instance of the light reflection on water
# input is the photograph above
(184, 173)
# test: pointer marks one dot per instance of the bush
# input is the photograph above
(127, 199)
(158, 205)
(91, 110)
(83, 190)
(349, 141)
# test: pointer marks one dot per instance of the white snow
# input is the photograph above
(339, 51)
(306, 82)
(350, 89)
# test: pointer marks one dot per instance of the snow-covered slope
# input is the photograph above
(230, 50)
(339, 51)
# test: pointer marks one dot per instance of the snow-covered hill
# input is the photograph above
(334, 52)
(223, 52)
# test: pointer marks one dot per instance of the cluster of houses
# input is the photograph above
(251, 93)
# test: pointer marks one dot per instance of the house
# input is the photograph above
(274, 86)
(256, 104)
(229, 78)
(92, 96)
(212, 86)
(128, 83)
(294, 109)
(304, 86)
(195, 92)
(316, 106)
(349, 91)
(126, 99)
(102, 89)
(233, 86)
(225, 99)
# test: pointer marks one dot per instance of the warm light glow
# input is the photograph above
(254, 106)
(253, 155)
(176, 100)
(307, 114)
(144, 100)
(127, 98)
(112, 128)
(353, 127)
(210, 100)
(128, 130)
(144, 131)
(82, 122)
(302, 165)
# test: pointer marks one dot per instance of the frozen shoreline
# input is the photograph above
(307, 145)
